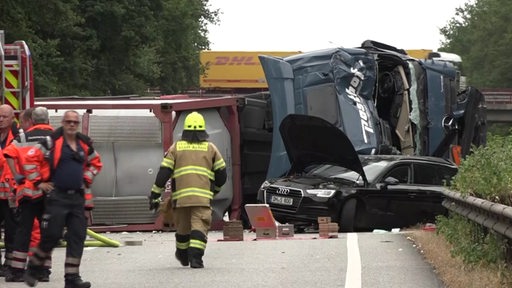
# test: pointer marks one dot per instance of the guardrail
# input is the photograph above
(497, 96)
(495, 216)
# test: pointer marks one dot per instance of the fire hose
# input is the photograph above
(100, 241)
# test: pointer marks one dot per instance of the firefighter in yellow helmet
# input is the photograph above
(198, 172)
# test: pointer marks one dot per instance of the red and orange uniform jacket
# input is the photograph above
(22, 151)
(48, 154)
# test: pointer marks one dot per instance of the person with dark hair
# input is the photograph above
(8, 131)
(26, 119)
(29, 196)
(198, 172)
(68, 164)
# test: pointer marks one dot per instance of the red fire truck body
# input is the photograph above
(17, 87)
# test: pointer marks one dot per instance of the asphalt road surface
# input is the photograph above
(351, 260)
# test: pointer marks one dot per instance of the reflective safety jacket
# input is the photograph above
(5, 189)
(49, 151)
(21, 151)
(6, 182)
(198, 171)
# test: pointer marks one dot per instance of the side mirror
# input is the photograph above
(388, 181)
(391, 181)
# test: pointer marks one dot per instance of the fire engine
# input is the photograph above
(17, 87)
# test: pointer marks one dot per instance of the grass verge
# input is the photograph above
(452, 271)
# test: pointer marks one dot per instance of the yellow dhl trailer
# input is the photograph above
(419, 53)
(235, 69)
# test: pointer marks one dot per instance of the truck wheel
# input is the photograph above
(348, 215)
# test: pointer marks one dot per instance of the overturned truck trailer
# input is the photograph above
(132, 136)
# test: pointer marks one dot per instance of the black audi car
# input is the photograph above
(360, 192)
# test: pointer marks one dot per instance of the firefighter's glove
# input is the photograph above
(154, 201)
(20, 179)
(215, 189)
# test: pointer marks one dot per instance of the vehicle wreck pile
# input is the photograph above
(408, 116)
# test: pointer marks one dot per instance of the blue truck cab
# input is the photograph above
(384, 101)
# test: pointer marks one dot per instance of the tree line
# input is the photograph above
(123, 47)
(481, 33)
(119, 47)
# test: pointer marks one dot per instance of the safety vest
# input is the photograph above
(22, 150)
(52, 148)
(6, 182)
(193, 165)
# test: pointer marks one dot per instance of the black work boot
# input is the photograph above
(196, 263)
(3, 270)
(195, 256)
(182, 256)
(14, 275)
(75, 281)
(31, 276)
(44, 276)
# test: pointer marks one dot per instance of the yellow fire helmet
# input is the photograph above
(194, 122)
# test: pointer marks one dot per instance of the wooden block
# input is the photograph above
(265, 233)
(322, 220)
(285, 230)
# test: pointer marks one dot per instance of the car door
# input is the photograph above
(403, 204)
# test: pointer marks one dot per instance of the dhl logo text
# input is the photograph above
(234, 60)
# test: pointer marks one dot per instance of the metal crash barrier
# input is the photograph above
(495, 216)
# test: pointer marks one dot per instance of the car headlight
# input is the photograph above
(321, 192)
(264, 185)
(261, 196)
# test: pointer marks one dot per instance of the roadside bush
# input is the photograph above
(485, 174)
(471, 242)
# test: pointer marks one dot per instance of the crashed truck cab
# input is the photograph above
(385, 101)
(132, 136)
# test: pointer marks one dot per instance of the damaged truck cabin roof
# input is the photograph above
(385, 101)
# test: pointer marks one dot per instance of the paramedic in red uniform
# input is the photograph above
(8, 130)
(198, 171)
(71, 165)
(29, 197)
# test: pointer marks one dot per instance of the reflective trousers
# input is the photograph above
(7, 217)
(28, 210)
(64, 209)
(192, 225)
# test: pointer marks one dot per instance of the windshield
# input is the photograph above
(372, 168)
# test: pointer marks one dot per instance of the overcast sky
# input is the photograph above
(294, 25)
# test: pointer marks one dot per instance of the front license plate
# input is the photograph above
(281, 200)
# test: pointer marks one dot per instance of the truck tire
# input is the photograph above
(348, 215)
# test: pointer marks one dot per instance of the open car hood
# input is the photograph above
(312, 140)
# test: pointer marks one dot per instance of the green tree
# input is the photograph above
(182, 42)
(52, 29)
(119, 47)
(481, 33)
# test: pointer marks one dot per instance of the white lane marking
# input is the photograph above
(353, 277)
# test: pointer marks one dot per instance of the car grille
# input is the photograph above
(282, 193)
